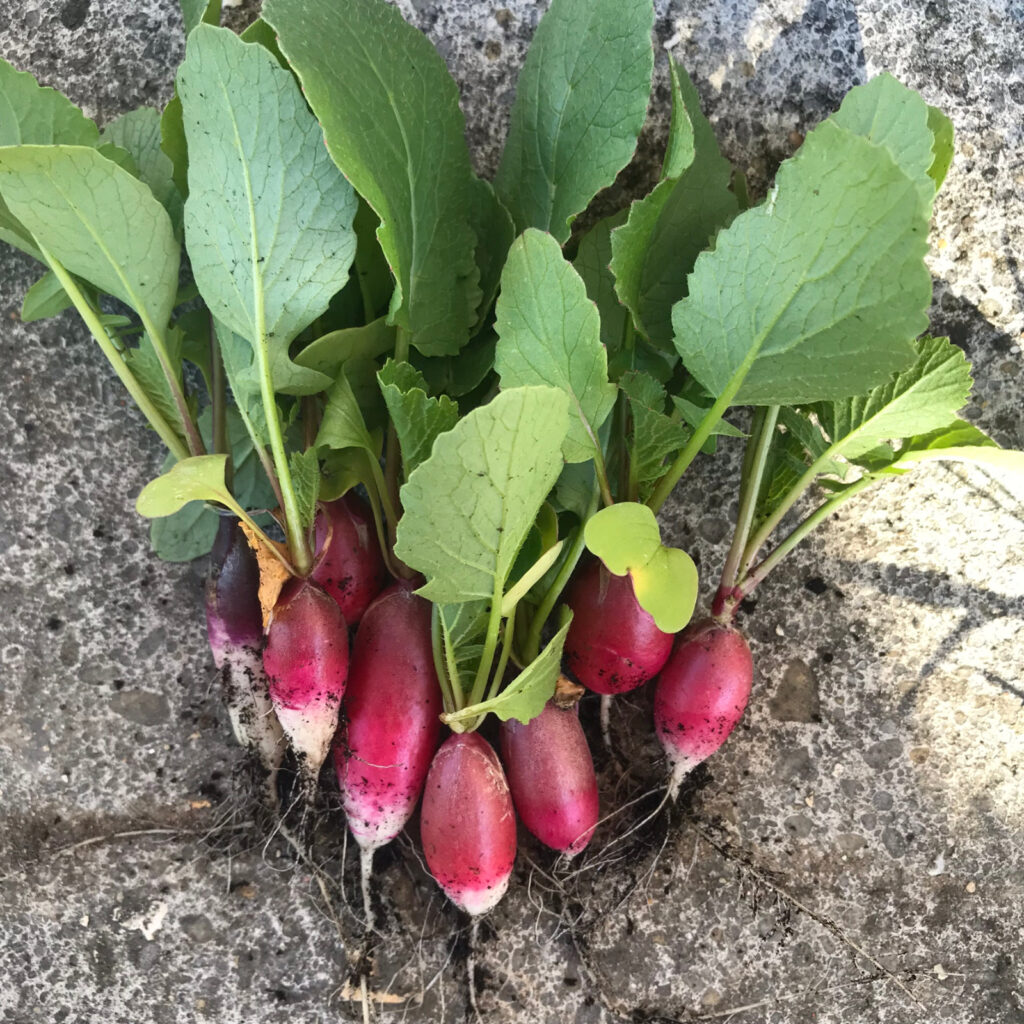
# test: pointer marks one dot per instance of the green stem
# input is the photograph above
(792, 496)
(437, 649)
(811, 522)
(532, 646)
(483, 672)
(754, 463)
(229, 502)
(506, 650)
(166, 432)
(693, 447)
(392, 452)
(219, 403)
(195, 442)
(373, 494)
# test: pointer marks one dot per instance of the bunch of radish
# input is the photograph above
(427, 429)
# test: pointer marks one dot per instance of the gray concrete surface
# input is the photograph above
(854, 855)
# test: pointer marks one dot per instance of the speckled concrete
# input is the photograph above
(854, 855)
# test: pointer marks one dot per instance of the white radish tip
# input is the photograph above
(681, 767)
(478, 901)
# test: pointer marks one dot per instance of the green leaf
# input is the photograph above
(193, 12)
(458, 375)
(694, 412)
(147, 370)
(463, 627)
(575, 488)
(525, 697)
(44, 299)
(896, 118)
(305, 471)
(120, 156)
(174, 144)
(655, 435)
(268, 218)
(942, 146)
(236, 354)
(922, 398)
(680, 148)
(958, 441)
(580, 103)
(98, 221)
(549, 333)
(469, 507)
(330, 352)
(373, 274)
(341, 471)
(391, 120)
(138, 132)
(31, 114)
(656, 249)
(260, 32)
(343, 425)
(592, 264)
(817, 293)
(199, 478)
(627, 539)
(418, 419)
(494, 230)
(188, 533)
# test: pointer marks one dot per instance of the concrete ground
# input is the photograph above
(856, 852)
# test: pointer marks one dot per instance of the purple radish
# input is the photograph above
(613, 645)
(234, 625)
(306, 660)
(468, 823)
(349, 565)
(390, 724)
(701, 694)
(551, 776)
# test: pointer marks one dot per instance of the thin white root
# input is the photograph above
(364, 998)
(606, 716)
(474, 938)
(365, 877)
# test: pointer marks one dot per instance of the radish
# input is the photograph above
(349, 564)
(390, 722)
(613, 645)
(306, 660)
(551, 776)
(234, 626)
(701, 694)
(468, 823)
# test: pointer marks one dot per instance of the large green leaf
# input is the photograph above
(549, 333)
(31, 114)
(194, 12)
(469, 507)
(138, 132)
(580, 103)
(343, 425)
(656, 249)
(268, 219)
(391, 120)
(959, 441)
(817, 293)
(896, 118)
(418, 419)
(592, 264)
(922, 398)
(101, 223)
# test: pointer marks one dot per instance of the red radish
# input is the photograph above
(390, 717)
(306, 659)
(349, 563)
(701, 694)
(551, 776)
(468, 823)
(234, 625)
(613, 645)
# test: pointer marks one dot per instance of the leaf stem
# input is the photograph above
(506, 650)
(437, 649)
(693, 447)
(483, 671)
(373, 493)
(754, 577)
(532, 646)
(195, 442)
(392, 453)
(791, 497)
(219, 403)
(754, 463)
(166, 432)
